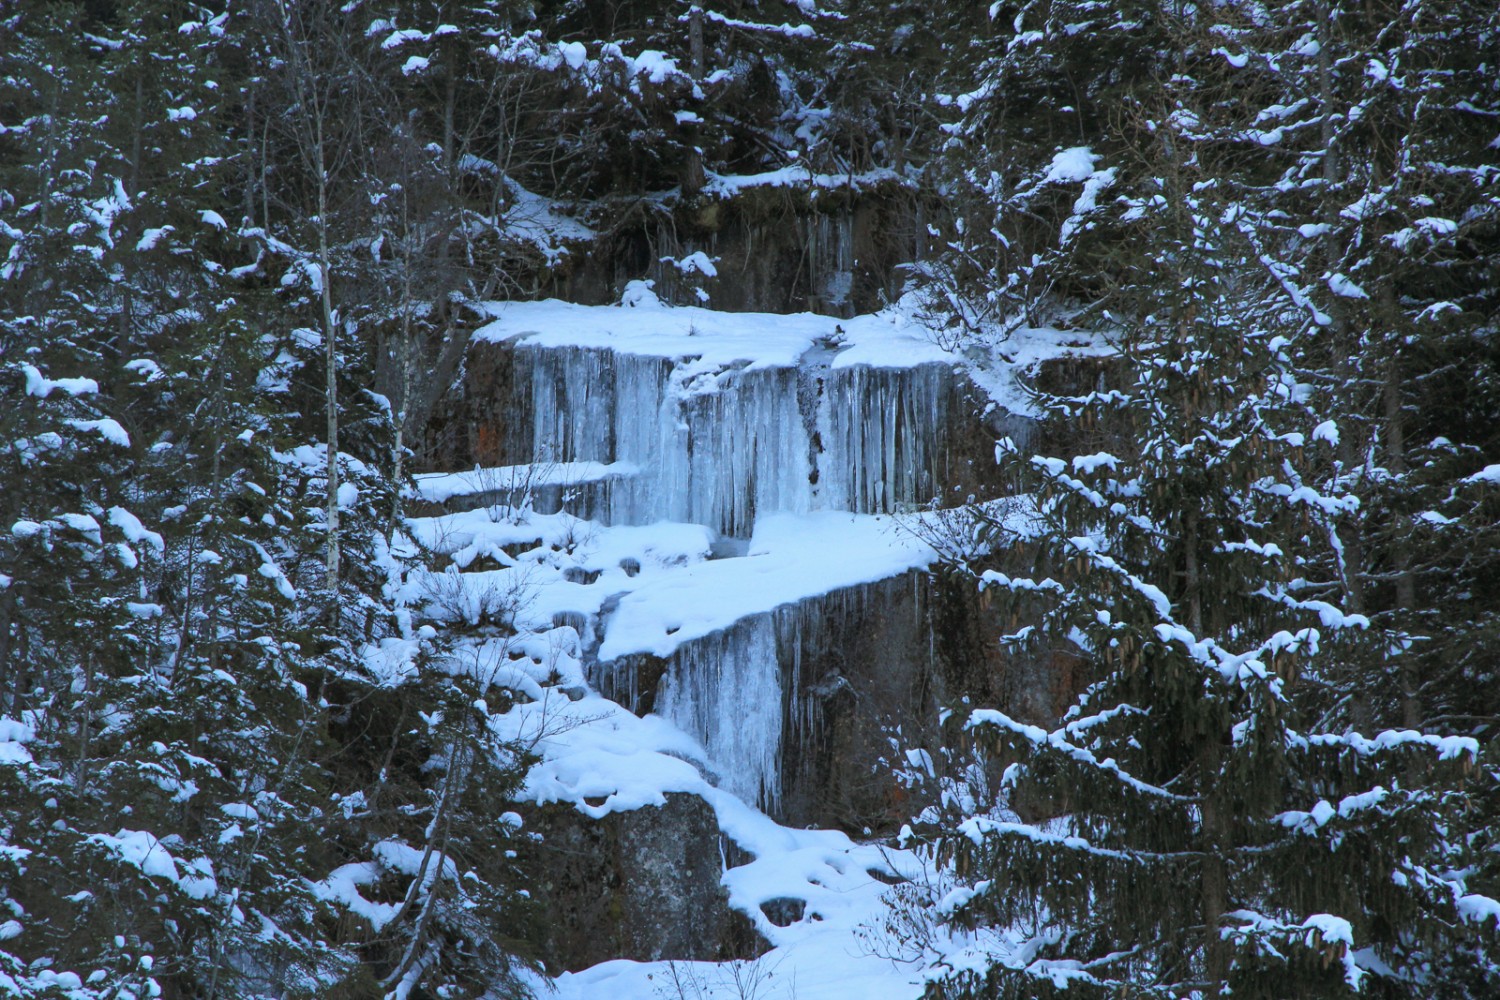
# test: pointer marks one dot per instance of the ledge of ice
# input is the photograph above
(440, 487)
(791, 558)
(889, 339)
(666, 587)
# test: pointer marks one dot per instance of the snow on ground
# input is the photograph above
(669, 590)
(798, 176)
(543, 223)
(602, 758)
(791, 557)
(811, 960)
(997, 359)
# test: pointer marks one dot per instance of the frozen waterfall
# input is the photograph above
(713, 447)
(723, 420)
(725, 690)
(722, 445)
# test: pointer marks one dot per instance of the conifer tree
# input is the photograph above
(1382, 218)
(1210, 833)
(1210, 816)
(186, 700)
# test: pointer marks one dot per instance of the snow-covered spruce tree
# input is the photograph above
(677, 88)
(185, 702)
(78, 626)
(1195, 825)
(1377, 216)
(1030, 158)
(71, 567)
(118, 878)
(1379, 219)
(328, 793)
(1372, 216)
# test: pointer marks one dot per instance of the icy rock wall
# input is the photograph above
(793, 707)
(714, 447)
(831, 259)
(726, 691)
(881, 431)
(860, 663)
(720, 446)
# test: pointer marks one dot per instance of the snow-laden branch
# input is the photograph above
(1058, 741)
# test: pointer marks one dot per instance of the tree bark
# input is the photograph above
(1213, 880)
(693, 177)
(1401, 556)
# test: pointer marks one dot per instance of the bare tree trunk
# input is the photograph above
(1353, 556)
(311, 123)
(331, 391)
(330, 347)
(693, 177)
(1213, 880)
(10, 679)
(80, 779)
(435, 852)
(1193, 582)
(405, 363)
(250, 169)
(1406, 584)
(265, 185)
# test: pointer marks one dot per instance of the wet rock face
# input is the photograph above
(878, 662)
(850, 671)
(861, 665)
(641, 885)
(778, 249)
(796, 707)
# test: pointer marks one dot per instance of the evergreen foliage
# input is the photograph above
(205, 788)
(242, 247)
(1266, 787)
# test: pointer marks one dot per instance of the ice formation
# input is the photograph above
(725, 691)
(721, 445)
(882, 434)
(786, 431)
(745, 691)
(731, 416)
(714, 445)
(712, 535)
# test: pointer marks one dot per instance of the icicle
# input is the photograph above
(725, 690)
(883, 433)
(714, 448)
(720, 447)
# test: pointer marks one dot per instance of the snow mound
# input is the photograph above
(602, 759)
